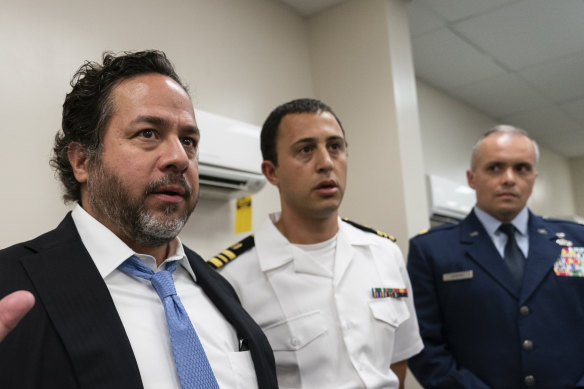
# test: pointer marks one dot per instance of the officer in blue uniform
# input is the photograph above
(500, 296)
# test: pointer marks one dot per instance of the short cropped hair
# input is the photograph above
(89, 106)
(507, 129)
(271, 125)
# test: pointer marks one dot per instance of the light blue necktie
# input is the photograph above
(514, 257)
(191, 361)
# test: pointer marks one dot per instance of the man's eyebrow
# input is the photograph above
(192, 130)
(160, 122)
(314, 139)
(154, 120)
(302, 143)
(305, 140)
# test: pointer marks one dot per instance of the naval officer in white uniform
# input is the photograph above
(333, 297)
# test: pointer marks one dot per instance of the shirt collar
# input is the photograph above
(108, 251)
(274, 249)
(491, 224)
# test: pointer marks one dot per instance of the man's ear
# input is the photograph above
(470, 178)
(269, 171)
(79, 161)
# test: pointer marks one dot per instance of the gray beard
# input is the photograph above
(111, 201)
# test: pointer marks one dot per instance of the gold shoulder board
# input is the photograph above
(369, 229)
(228, 255)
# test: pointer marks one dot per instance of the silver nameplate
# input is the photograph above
(457, 276)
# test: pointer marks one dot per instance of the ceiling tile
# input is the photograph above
(503, 56)
(546, 122)
(575, 109)
(421, 19)
(528, 32)
(569, 144)
(453, 10)
(560, 79)
(446, 61)
(501, 96)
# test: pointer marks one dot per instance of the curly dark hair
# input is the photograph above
(272, 123)
(89, 106)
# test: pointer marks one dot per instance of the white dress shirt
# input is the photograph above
(143, 317)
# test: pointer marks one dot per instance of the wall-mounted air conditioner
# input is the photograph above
(229, 157)
(449, 201)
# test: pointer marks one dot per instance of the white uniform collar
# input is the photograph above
(274, 249)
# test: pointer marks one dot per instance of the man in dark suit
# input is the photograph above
(120, 302)
(500, 295)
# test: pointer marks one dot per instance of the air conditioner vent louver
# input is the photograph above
(449, 200)
(221, 182)
(229, 157)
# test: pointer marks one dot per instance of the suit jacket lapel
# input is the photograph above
(483, 252)
(80, 307)
(214, 287)
(543, 252)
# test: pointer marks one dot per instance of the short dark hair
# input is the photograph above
(272, 123)
(89, 106)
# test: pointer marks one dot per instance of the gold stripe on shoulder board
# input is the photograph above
(228, 255)
(369, 229)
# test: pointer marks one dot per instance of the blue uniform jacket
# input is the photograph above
(478, 331)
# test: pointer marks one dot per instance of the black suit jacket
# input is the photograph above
(73, 337)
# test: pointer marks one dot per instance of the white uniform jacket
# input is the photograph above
(328, 332)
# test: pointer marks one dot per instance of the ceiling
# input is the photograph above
(520, 62)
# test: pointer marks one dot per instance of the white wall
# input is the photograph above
(577, 171)
(372, 88)
(553, 194)
(449, 131)
(240, 58)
